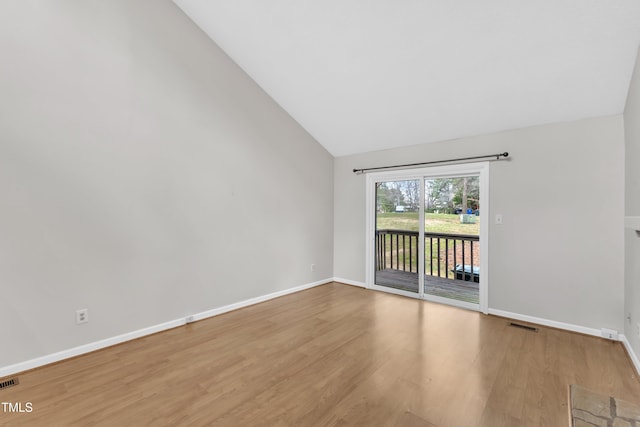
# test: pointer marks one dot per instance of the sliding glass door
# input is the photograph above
(424, 237)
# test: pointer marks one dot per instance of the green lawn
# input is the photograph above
(435, 223)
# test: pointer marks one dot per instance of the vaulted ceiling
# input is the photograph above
(364, 75)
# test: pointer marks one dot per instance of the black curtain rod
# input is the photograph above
(462, 159)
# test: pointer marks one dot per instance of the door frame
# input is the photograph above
(448, 171)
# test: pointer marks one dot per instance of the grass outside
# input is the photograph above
(434, 223)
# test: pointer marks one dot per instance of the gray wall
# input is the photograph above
(143, 175)
(559, 253)
(632, 208)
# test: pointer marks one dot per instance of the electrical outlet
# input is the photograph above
(82, 316)
(313, 267)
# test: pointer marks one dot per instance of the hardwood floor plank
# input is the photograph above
(333, 355)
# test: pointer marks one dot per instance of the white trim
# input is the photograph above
(632, 222)
(256, 300)
(421, 242)
(370, 235)
(426, 297)
(452, 302)
(350, 282)
(485, 188)
(87, 348)
(632, 354)
(108, 342)
(547, 322)
(395, 291)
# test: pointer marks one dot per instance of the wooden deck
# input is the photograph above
(433, 285)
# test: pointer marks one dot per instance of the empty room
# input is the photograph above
(342, 213)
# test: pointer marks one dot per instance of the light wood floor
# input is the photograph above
(332, 355)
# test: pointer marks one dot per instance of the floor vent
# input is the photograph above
(9, 383)
(525, 327)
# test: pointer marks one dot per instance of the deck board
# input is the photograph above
(433, 285)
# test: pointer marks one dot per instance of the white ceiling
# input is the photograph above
(363, 75)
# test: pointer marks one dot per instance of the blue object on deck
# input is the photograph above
(467, 273)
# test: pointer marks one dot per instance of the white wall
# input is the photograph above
(632, 208)
(559, 254)
(143, 176)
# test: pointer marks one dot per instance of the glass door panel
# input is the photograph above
(452, 238)
(397, 235)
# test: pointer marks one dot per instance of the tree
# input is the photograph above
(439, 193)
(411, 192)
(464, 194)
(388, 196)
(467, 192)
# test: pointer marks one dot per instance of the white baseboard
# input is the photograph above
(546, 322)
(632, 354)
(510, 315)
(87, 348)
(350, 282)
(256, 300)
(108, 342)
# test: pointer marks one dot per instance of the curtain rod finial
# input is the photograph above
(505, 154)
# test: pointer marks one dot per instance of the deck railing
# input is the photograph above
(454, 256)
